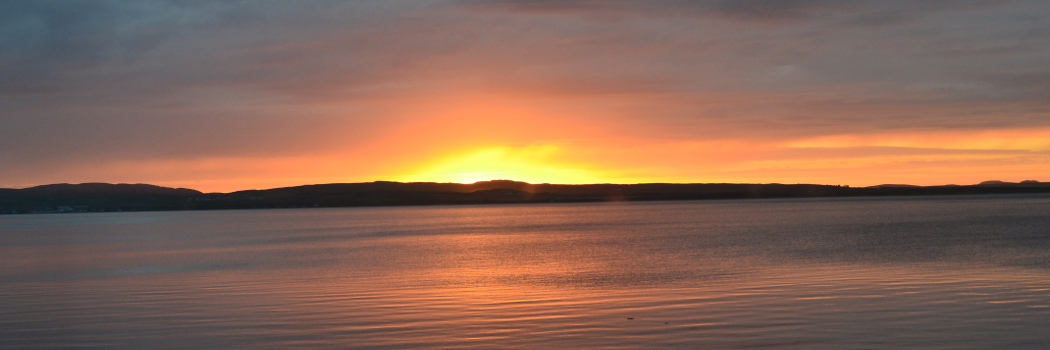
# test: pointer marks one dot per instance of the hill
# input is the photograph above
(65, 198)
(94, 197)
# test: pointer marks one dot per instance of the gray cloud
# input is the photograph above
(750, 11)
(46, 41)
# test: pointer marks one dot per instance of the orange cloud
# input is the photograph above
(1034, 140)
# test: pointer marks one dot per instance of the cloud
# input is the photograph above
(776, 12)
(172, 81)
(743, 10)
(1031, 140)
(47, 41)
(160, 46)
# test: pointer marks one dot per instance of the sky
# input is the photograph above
(233, 95)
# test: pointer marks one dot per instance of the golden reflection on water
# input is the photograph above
(658, 276)
(799, 307)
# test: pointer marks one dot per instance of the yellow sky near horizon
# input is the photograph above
(855, 160)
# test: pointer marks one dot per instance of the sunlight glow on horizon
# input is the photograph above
(835, 160)
(466, 137)
(533, 164)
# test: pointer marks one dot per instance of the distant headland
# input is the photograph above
(104, 197)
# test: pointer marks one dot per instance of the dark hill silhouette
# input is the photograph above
(97, 188)
(94, 197)
(125, 197)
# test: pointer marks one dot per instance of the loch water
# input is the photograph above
(957, 272)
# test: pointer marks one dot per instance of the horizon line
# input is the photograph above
(987, 182)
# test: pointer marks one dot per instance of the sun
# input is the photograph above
(533, 164)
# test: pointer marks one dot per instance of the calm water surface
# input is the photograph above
(887, 273)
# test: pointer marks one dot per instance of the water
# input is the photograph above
(917, 273)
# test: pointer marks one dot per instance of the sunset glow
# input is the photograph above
(534, 164)
(185, 95)
(1030, 140)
